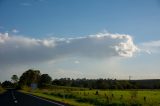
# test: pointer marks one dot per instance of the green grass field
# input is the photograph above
(86, 97)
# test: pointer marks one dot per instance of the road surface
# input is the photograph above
(14, 98)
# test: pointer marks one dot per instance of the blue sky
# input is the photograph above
(37, 18)
(47, 22)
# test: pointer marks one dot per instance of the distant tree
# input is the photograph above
(44, 79)
(30, 76)
(56, 82)
(63, 82)
(14, 78)
(7, 84)
(100, 84)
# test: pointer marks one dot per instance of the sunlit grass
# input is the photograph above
(101, 97)
(71, 102)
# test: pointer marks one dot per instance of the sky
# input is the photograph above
(80, 38)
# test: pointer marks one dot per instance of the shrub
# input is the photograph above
(1, 89)
(26, 88)
(96, 93)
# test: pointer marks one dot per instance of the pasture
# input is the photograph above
(86, 97)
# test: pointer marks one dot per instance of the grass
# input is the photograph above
(101, 97)
(70, 102)
(1, 90)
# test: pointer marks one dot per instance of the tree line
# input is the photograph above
(32, 76)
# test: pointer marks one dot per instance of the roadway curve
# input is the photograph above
(14, 98)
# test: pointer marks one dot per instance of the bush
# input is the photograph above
(26, 88)
(1, 89)
(96, 93)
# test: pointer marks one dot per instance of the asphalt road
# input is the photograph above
(14, 98)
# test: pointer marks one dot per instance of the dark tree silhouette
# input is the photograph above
(44, 79)
(7, 84)
(14, 78)
(29, 77)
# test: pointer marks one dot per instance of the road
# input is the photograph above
(14, 98)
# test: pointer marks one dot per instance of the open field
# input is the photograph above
(86, 97)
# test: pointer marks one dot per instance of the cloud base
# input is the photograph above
(19, 49)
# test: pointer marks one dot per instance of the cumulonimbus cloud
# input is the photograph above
(19, 49)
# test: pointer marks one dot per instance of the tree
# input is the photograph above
(44, 79)
(30, 76)
(7, 84)
(14, 78)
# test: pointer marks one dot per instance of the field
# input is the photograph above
(86, 97)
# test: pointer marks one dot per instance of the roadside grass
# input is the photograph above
(86, 97)
(1, 90)
(69, 102)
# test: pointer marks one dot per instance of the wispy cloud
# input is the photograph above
(15, 31)
(152, 44)
(151, 47)
(63, 73)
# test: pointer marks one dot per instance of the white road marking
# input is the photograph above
(45, 100)
(14, 98)
(13, 95)
(15, 101)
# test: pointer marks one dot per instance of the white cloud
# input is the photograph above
(150, 47)
(63, 73)
(15, 31)
(152, 43)
(20, 50)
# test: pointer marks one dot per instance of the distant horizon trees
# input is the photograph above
(44, 79)
(32, 76)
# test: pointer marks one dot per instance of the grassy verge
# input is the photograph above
(70, 102)
(85, 97)
(1, 90)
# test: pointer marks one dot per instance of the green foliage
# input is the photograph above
(44, 79)
(28, 77)
(108, 83)
(7, 84)
(26, 88)
(14, 78)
